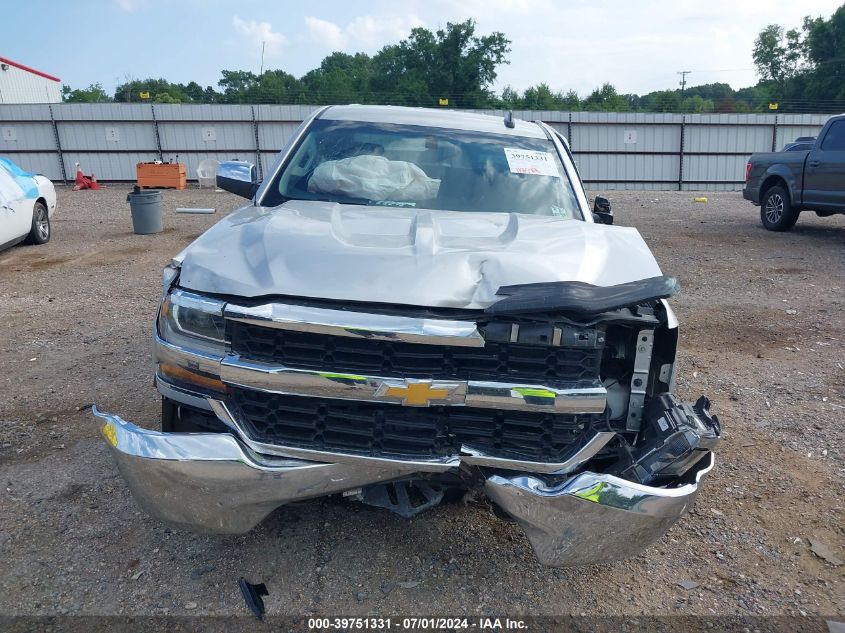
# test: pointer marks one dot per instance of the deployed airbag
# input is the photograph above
(373, 178)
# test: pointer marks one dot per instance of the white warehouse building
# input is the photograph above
(22, 84)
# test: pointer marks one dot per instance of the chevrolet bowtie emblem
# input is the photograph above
(417, 393)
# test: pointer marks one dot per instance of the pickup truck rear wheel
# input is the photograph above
(776, 210)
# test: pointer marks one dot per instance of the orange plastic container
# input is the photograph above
(161, 176)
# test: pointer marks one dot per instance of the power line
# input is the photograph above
(720, 70)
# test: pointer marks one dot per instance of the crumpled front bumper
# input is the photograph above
(593, 518)
(212, 482)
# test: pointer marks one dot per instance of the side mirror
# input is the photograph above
(238, 177)
(602, 212)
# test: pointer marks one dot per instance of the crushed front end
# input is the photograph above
(555, 401)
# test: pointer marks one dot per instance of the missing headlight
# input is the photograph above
(674, 438)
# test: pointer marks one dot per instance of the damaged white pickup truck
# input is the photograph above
(417, 303)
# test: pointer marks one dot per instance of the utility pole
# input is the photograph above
(683, 74)
(261, 72)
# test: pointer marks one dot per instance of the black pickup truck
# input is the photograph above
(786, 183)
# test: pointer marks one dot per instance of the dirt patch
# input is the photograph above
(746, 330)
(100, 256)
(762, 334)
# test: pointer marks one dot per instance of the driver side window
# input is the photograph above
(834, 140)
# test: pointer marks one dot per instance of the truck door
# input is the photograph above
(824, 171)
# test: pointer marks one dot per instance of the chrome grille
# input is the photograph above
(495, 361)
(379, 430)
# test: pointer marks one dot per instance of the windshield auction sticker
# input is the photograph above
(529, 161)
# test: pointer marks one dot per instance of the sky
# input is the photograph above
(577, 44)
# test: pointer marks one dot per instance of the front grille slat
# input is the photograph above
(494, 361)
(381, 429)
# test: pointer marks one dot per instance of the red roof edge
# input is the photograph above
(28, 69)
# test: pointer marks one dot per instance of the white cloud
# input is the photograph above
(326, 33)
(577, 44)
(365, 32)
(254, 33)
(486, 9)
(637, 46)
(374, 32)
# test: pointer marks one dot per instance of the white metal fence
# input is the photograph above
(613, 150)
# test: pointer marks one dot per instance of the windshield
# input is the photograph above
(433, 168)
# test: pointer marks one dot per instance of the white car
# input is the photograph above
(27, 202)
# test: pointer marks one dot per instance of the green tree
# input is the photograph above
(607, 99)
(570, 101)
(825, 50)
(711, 92)
(510, 98)
(451, 63)
(662, 101)
(130, 91)
(697, 104)
(541, 97)
(340, 78)
(725, 105)
(92, 94)
(197, 94)
(802, 70)
(235, 84)
(166, 97)
(756, 98)
(778, 56)
(273, 86)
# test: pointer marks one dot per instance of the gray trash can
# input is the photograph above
(145, 206)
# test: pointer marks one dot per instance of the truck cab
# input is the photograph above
(785, 183)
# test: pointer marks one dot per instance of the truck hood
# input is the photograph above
(417, 257)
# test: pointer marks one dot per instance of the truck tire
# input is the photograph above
(39, 232)
(776, 210)
(176, 418)
(173, 421)
(169, 415)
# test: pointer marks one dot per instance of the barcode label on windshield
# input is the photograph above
(529, 161)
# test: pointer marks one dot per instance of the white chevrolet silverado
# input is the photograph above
(417, 303)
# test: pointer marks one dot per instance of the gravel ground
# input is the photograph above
(763, 335)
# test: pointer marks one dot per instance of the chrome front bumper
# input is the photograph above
(212, 482)
(593, 518)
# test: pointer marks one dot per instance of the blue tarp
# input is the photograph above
(25, 180)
